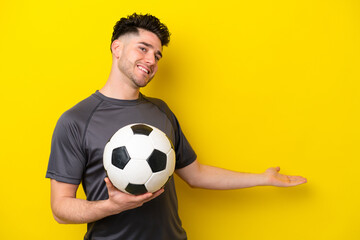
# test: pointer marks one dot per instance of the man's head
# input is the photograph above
(134, 22)
(136, 48)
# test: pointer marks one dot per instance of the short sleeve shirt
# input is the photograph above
(77, 148)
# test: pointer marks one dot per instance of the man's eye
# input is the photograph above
(143, 49)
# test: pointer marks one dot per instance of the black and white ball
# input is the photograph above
(139, 158)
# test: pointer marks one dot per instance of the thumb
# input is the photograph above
(273, 170)
(109, 185)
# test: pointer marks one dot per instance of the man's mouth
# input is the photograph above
(143, 69)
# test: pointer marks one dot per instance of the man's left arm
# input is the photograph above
(198, 175)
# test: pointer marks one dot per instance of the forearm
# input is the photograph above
(209, 177)
(74, 210)
(69, 209)
(217, 178)
(203, 176)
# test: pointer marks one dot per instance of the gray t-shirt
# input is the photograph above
(76, 157)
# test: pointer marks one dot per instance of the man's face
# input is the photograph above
(139, 57)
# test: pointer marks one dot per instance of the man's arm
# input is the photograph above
(203, 176)
(67, 208)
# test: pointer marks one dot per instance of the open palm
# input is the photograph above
(280, 180)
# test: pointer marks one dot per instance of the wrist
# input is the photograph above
(102, 208)
(109, 208)
(265, 180)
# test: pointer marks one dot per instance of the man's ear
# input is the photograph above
(117, 47)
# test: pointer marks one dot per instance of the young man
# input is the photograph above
(82, 132)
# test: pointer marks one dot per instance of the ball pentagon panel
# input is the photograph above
(157, 161)
(136, 189)
(142, 129)
(120, 157)
(117, 140)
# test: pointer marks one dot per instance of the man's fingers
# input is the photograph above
(156, 194)
(142, 197)
(297, 179)
(294, 180)
(137, 199)
(148, 196)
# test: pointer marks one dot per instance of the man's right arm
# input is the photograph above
(67, 208)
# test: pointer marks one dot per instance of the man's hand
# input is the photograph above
(204, 176)
(274, 178)
(120, 201)
(69, 209)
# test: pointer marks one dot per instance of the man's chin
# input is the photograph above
(142, 83)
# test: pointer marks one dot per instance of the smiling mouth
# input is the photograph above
(143, 69)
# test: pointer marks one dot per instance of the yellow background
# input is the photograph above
(254, 84)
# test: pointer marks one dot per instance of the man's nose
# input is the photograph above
(150, 58)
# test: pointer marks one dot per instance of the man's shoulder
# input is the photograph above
(165, 109)
(81, 111)
(158, 102)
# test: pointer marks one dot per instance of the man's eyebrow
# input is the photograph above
(151, 46)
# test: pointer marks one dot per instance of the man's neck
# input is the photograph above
(118, 89)
(119, 93)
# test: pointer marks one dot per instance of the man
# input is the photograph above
(82, 132)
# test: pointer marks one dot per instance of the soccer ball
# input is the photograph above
(139, 158)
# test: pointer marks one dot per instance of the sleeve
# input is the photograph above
(67, 158)
(185, 154)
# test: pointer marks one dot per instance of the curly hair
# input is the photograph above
(132, 23)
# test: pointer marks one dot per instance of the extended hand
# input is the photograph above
(280, 180)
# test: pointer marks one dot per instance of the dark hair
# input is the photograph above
(132, 23)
